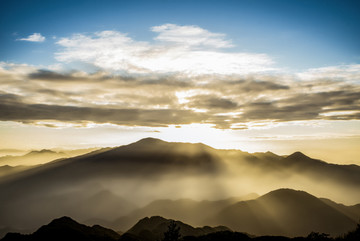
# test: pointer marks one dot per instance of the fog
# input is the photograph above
(117, 187)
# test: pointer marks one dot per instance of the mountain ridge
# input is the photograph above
(159, 170)
(284, 212)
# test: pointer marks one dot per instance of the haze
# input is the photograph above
(112, 111)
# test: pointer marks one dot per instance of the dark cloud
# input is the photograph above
(305, 106)
(12, 109)
(170, 100)
(6, 98)
(47, 75)
(51, 76)
(273, 111)
(255, 85)
(211, 102)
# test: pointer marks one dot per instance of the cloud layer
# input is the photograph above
(32, 95)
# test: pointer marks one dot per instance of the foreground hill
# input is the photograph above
(66, 229)
(153, 229)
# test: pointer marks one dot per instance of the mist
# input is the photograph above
(190, 182)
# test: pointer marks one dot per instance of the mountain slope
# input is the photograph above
(30, 192)
(8, 170)
(284, 212)
(352, 212)
(189, 211)
(151, 169)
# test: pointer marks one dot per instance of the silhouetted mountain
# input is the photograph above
(153, 228)
(221, 235)
(189, 211)
(40, 157)
(284, 212)
(66, 229)
(268, 156)
(151, 169)
(352, 212)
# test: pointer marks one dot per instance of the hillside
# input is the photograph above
(66, 228)
(153, 228)
(109, 184)
(284, 212)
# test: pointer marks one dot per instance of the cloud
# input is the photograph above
(35, 37)
(340, 73)
(14, 109)
(34, 95)
(191, 36)
(211, 102)
(188, 50)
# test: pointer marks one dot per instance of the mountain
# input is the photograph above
(321, 170)
(284, 212)
(153, 228)
(82, 205)
(146, 157)
(152, 169)
(64, 183)
(32, 158)
(66, 229)
(353, 211)
(189, 211)
(40, 157)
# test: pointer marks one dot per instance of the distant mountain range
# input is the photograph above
(8, 170)
(40, 157)
(108, 186)
(190, 211)
(289, 213)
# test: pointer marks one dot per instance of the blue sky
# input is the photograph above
(297, 34)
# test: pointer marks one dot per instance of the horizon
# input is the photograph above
(19, 152)
(57, 149)
(279, 76)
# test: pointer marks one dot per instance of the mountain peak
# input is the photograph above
(298, 156)
(43, 151)
(150, 140)
(63, 221)
(155, 226)
(286, 192)
(154, 144)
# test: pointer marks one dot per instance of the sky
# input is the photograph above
(254, 75)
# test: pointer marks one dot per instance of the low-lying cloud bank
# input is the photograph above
(30, 94)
